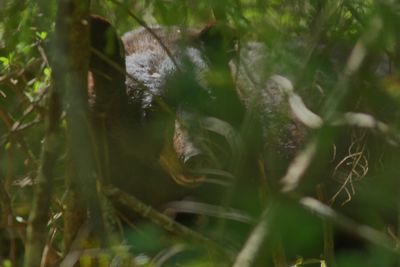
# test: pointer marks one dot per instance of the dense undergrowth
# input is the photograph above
(324, 175)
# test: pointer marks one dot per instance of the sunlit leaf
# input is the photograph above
(41, 35)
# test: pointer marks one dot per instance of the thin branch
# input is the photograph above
(158, 39)
(146, 211)
(36, 232)
(252, 247)
(365, 232)
(121, 70)
(7, 219)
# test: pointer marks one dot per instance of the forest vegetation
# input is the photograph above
(199, 133)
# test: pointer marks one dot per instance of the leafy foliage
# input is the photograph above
(342, 58)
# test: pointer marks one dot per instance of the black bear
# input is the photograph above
(159, 103)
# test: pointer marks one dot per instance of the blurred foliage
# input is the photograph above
(308, 41)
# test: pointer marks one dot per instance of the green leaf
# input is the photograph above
(5, 61)
(41, 35)
(7, 263)
(7, 146)
(47, 73)
(36, 86)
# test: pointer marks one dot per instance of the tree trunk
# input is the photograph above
(36, 231)
(73, 53)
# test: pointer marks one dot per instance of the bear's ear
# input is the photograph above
(107, 91)
(105, 42)
(218, 40)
